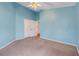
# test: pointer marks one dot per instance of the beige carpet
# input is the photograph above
(38, 47)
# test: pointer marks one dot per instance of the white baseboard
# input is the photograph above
(11, 42)
(78, 49)
(61, 42)
(20, 38)
(58, 41)
(7, 44)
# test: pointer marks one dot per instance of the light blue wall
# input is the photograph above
(7, 23)
(78, 24)
(12, 17)
(59, 24)
(21, 14)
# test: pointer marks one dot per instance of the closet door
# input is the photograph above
(30, 28)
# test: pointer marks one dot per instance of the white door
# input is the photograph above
(30, 28)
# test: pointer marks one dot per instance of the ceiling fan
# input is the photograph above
(34, 5)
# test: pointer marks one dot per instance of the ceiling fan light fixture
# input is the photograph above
(34, 5)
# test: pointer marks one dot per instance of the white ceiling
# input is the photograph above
(49, 5)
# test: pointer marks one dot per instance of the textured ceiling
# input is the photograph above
(49, 5)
